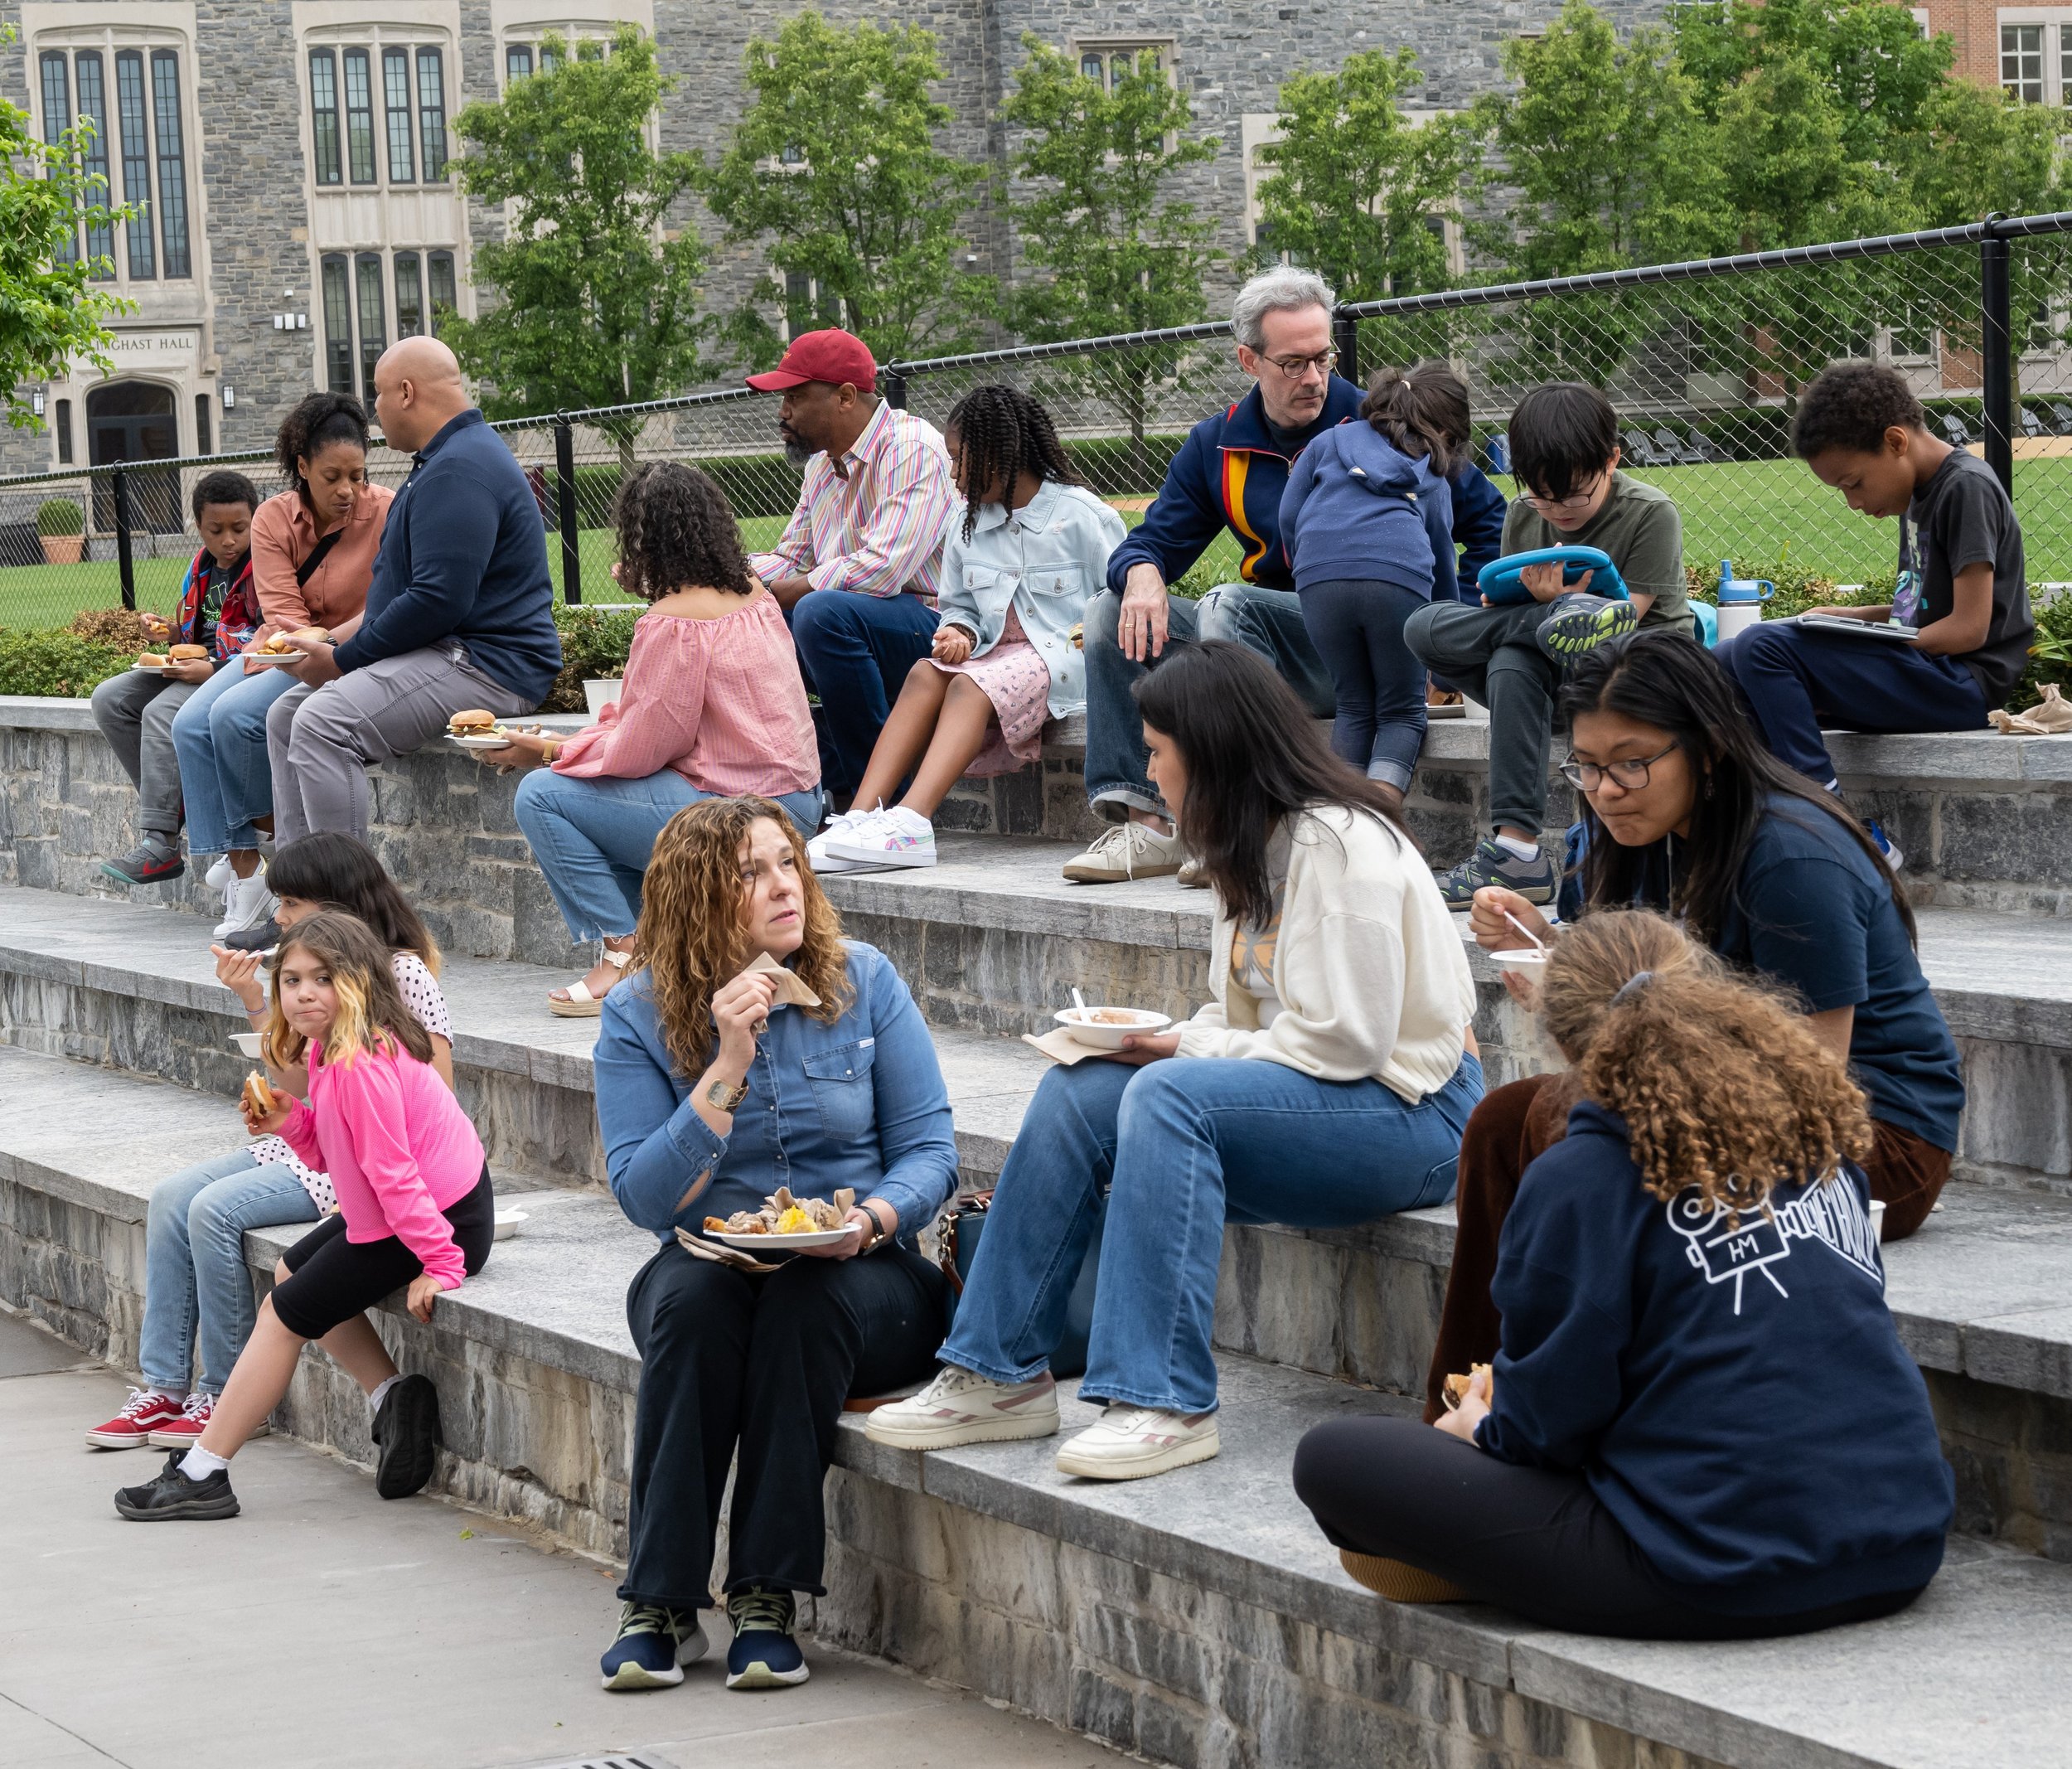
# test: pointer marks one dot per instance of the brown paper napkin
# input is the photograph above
(1060, 1046)
(789, 989)
(2050, 717)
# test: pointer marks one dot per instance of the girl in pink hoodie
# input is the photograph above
(414, 1208)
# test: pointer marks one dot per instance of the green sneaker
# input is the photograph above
(1536, 881)
(1582, 623)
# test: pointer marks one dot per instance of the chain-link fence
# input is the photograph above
(1702, 360)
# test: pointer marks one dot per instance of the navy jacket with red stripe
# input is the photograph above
(1229, 474)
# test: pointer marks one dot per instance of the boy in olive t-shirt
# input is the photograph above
(1565, 449)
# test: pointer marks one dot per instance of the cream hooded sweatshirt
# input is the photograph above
(1368, 966)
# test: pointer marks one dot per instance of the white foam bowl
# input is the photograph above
(1099, 1036)
(245, 1043)
(508, 1223)
(1519, 958)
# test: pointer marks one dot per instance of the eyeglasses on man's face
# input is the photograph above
(1632, 773)
(1295, 368)
(1574, 502)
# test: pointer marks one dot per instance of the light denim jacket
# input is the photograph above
(860, 1102)
(1044, 558)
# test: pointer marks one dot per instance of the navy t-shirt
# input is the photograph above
(1736, 1395)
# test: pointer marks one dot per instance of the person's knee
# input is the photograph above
(323, 722)
(537, 797)
(1103, 613)
(281, 1275)
(107, 698)
(1327, 1455)
(821, 614)
(1764, 646)
(804, 1303)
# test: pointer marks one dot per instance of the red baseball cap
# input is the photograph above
(833, 355)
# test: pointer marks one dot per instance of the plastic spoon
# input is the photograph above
(1079, 1001)
(1540, 944)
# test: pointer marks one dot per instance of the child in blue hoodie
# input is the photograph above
(1440, 398)
(1700, 1423)
(1367, 523)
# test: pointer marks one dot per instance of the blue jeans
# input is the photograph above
(219, 736)
(1266, 621)
(194, 1263)
(855, 652)
(592, 839)
(1184, 1146)
(1357, 625)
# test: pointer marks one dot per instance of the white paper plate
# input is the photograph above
(268, 660)
(154, 669)
(754, 1243)
(246, 1044)
(1458, 710)
(480, 742)
(1519, 958)
(1098, 1037)
(508, 1223)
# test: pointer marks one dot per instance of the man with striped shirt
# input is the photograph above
(857, 568)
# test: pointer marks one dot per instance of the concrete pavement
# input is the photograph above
(327, 1630)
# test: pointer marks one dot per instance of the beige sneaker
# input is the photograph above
(1131, 1443)
(961, 1407)
(1192, 877)
(1128, 851)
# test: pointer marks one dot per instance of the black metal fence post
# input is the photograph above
(125, 567)
(895, 389)
(1996, 353)
(1345, 333)
(566, 510)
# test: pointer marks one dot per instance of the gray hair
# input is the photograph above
(1281, 290)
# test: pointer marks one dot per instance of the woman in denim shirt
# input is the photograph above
(711, 1093)
(1033, 544)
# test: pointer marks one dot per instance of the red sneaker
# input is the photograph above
(145, 1411)
(180, 1433)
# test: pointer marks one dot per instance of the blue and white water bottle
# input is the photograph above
(1740, 600)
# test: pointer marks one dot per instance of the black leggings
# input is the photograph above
(331, 1279)
(1357, 626)
(1534, 1541)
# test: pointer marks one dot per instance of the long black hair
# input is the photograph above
(1004, 434)
(340, 872)
(1254, 756)
(1660, 678)
(314, 422)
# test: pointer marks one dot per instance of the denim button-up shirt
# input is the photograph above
(859, 1104)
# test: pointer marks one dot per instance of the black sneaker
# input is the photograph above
(1538, 881)
(407, 1428)
(173, 1495)
(264, 938)
(147, 863)
(765, 1654)
(653, 1645)
(1581, 622)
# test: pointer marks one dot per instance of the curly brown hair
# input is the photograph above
(1723, 1085)
(692, 938)
(676, 529)
(313, 423)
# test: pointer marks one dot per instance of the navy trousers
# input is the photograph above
(855, 652)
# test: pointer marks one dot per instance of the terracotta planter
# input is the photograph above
(62, 550)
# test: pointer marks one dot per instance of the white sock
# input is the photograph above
(1518, 850)
(381, 1393)
(176, 1396)
(198, 1464)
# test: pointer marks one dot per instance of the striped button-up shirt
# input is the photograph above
(873, 522)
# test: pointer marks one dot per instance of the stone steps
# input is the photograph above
(1199, 1619)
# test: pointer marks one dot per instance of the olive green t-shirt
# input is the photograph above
(1638, 527)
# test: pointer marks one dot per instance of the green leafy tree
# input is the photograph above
(598, 300)
(834, 165)
(1357, 185)
(1110, 249)
(51, 311)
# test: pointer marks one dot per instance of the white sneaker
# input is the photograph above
(898, 837)
(1130, 1442)
(221, 880)
(250, 903)
(962, 1406)
(1129, 851)
(842, 823)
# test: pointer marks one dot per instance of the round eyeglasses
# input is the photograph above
(1296, 367)
(1632, 773)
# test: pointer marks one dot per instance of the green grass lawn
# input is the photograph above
(1751, 512)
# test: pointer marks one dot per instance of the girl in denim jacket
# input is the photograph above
(1034, 544)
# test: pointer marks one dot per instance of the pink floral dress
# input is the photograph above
(1015, 679)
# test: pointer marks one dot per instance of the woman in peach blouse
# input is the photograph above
(712, 706)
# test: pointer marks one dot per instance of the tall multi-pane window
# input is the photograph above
(337, 326)
(63, 423)
(517, 61)
(204, 424)
(409, 296)
(431, 110)
(172, 166)
(135, 142)
(93, 110)
(374, 335)
(1108, 65)
(396, 88)
(359, 116)
(57, 118)
(445, 297)
(323, 115)
(2022, 62)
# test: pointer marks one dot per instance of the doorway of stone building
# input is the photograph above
(133, 421)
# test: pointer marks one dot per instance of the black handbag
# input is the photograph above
(962, 1229)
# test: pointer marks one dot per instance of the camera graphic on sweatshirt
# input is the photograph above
(1727, 1246)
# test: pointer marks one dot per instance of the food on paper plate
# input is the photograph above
(784, 1214)
(473, 723)
(186, 653)
(1456, 1388)
(259, 1099)
(283, 645)
(151, 660)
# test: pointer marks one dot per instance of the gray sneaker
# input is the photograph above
(1536, 881)
(1580, 623)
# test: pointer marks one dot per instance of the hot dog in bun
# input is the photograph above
(259, 1098)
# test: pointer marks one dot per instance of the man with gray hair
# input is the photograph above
(1229, 474)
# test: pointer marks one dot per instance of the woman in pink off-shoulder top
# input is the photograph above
(712, 706)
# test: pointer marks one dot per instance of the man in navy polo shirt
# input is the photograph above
(1229, 474)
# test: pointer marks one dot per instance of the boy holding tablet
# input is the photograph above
(1962, 592)
(1565, 451)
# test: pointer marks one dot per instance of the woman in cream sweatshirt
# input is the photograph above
(1328, 1084)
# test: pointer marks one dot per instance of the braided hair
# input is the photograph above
(1004, 434)
(314, 423)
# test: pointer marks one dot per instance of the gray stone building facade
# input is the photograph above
(295, 155)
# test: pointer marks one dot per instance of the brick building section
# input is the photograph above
(1974, 27)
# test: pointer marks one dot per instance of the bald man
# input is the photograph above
(459, 614)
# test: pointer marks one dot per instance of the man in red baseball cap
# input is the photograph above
(857, 568)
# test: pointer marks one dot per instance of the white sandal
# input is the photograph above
(580, 1004)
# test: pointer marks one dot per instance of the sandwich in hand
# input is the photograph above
(151, 660)
(1456, 1388)
(282, 645)
(474, 723)
(260, 1102)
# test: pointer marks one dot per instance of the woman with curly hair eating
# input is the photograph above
(1700, 1423)
(712, 705)
(754, 1047)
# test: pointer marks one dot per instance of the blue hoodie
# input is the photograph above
(1478, 527)
(1357, 506)
(1738, 1398)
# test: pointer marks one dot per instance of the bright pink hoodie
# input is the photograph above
(398, 1147)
